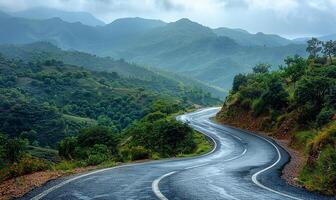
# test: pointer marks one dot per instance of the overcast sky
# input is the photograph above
(289, 18)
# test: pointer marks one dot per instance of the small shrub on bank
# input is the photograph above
(138, 153)
(26, 165)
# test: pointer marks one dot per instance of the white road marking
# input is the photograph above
(155, 186)
(255, 176)
(46, 192)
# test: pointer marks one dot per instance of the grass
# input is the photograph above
(45, 153)
(302, 138)
(80, 120)
(319, 173)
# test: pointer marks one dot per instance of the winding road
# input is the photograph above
(241, 165)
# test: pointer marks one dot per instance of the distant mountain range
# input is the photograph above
(212, 56)
(47, 13)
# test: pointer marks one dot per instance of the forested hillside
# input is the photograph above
(48, 100)
(183, 47)
(297, 102)
(43, 51)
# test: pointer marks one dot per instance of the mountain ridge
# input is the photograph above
(183, 47)
(46, 13)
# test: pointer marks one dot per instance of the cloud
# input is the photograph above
(286, 17)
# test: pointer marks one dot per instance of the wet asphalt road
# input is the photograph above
(241, 166)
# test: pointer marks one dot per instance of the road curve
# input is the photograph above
(242, 165)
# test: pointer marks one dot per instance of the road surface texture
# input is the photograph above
(242, 165)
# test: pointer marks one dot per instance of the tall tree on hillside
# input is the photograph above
(261, 68)
(329, 49)
(238, 81)
(314, 47)
(295, 68)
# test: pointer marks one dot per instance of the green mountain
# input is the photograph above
(183, 47)
(47, 99)
(43, 51)
(47, 13)
(245, 38)
(196, 51)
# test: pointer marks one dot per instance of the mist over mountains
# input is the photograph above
(212, 56)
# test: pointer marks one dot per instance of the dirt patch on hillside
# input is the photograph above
(17, 187)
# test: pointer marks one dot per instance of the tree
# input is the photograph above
(296, 67)
(15, 148)
(3, 141)
(311, 93)
(167, 137)
(238, 81)
(329, 49)
(275, 95)
(89, 137)
(314, 47)
(67, 147)
(261, 68)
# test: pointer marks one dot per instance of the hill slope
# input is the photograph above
(47, 13)
(49, 100)
(182, 47)
(297, 103)
(43, 51)
(245, 38)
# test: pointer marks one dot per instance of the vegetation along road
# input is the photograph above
(241, 165)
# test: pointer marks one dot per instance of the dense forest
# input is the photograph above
(163, 80)
(50, 100)
(90, 115)
(298, 102)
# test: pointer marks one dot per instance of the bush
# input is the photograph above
(26, 165)
(167, 137)
(98, 154)
(65, 165)
(67, 147)
(258, 106)
(324, 116)
(89, 137)
(307, 113)
(138, 153)
(14, 149)
(319, 173)
(238, 81)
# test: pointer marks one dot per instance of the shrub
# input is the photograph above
(138, 153)
(238, 81)
(67, 147)
(258, 106)
(89, 137)
(65, 165)
(167, 137)
(98, 154)
(319, 173)
(14, 149)
(246, 104)
(324, 116)
(26, 165)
